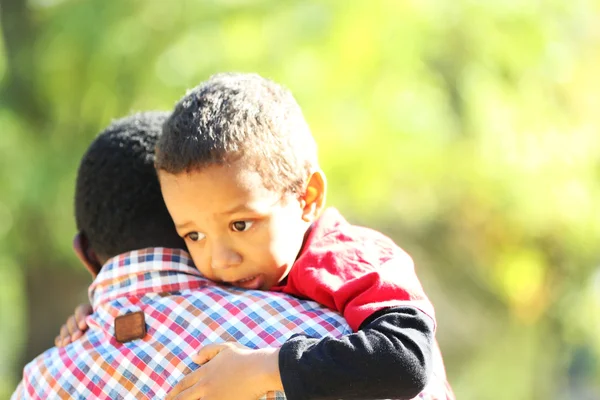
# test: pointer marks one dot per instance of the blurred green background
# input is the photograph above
(466, 130)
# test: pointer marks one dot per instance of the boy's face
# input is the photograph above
(236, 230)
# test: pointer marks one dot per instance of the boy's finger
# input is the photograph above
(192, 393)
(208, 352)
(72, 325)
(76, 335)
(64, 336)
(81, 312)
(187, 382)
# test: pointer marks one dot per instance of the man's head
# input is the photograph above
(118, 204)
(239, 174)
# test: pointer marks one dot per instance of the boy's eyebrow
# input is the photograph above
(183, 225)
(232, 210)
(235, 209)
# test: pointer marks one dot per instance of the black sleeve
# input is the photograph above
(389, 357)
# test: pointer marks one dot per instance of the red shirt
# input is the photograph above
(354, 270)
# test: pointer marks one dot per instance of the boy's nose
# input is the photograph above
(224, 257)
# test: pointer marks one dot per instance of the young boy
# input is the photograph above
(239, 174)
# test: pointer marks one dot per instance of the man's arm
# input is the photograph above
(389, 357)
(19, 393)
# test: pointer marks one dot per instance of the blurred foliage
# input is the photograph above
(466, 130)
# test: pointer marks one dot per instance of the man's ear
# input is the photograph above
(86, 254)
(313, 199)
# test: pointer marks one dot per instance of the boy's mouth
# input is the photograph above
(253, 282)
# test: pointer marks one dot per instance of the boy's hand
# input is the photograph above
(74, 327)
(230, 371)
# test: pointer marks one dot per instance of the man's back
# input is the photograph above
(182, 310)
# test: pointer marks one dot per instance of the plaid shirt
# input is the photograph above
(183, 312)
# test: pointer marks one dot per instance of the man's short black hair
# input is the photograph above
(238, 116)
(118, 203)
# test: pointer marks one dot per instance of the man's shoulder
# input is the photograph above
(177, 323)
(227, 303)
(41, 375)
(221, 312)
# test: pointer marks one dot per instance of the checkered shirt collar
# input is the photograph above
(151, 270)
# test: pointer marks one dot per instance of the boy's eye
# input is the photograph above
(195, 236)
(241, 226)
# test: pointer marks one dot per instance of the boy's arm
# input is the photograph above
(389, 357)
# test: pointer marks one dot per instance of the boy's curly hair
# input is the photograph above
(237, 116)
(118, 203)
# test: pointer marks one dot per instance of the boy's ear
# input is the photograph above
(86, 254)
(313, 199)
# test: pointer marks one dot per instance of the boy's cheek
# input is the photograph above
(200, 263)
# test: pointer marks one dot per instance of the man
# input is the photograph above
(151, 307)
